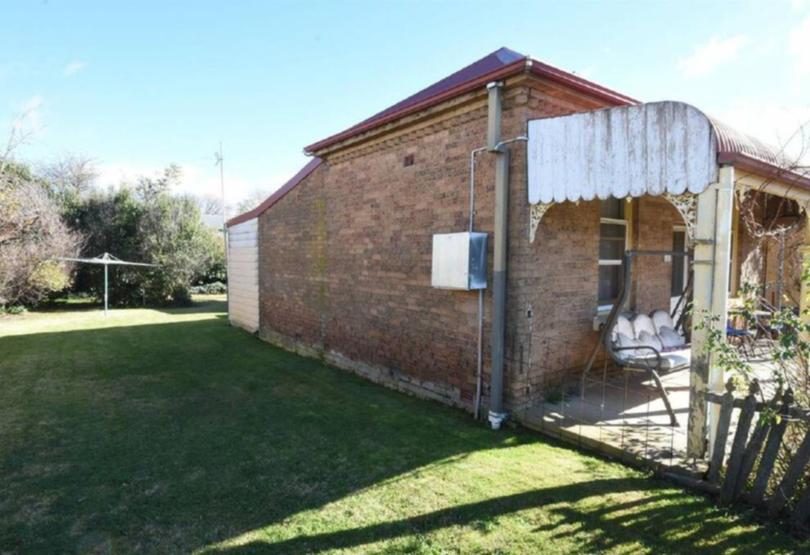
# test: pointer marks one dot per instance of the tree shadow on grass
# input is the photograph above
(665, 522)
(170, 437)
(173, 437)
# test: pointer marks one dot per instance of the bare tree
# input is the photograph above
(150, 188)
(254, 199)
(18, 136)
(32, 235)
(71, 175)
(209, 205)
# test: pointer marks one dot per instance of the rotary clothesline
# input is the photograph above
(106, 260)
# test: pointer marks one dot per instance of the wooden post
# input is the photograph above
(761, 431)
(733, 483)
(801, 512)
(784, 491)
(734, 278)
(775, 434)
(711, 274)
(719, 451)
(804, 250)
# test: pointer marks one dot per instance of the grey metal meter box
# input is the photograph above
(459, 261)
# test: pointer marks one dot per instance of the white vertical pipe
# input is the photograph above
(722, 245)
(105, 287)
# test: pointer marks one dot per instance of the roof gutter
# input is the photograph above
(764, 169)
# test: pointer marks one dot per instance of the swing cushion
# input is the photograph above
(622, 341)
(676, 359)
(671, 360)
(670, 339)
(650, 340)
(623, 327)
(643, 324)
(661, 319)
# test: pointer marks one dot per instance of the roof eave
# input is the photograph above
(512, 69)
(580, 84)
(764, 169)
(523, 65)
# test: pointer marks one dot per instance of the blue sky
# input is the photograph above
(139, 85)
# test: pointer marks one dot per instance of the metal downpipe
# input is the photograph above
(497, 415)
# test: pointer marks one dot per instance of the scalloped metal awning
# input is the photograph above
(654, 148)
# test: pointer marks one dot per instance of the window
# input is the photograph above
(612, 244)
(679, 263)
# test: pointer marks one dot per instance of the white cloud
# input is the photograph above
(799, 47)
(714, 53)
(73, 68)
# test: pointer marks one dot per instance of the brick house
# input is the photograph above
(342, 252)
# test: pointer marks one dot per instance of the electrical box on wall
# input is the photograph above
(459, 261)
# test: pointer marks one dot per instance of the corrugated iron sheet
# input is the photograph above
(654, 148)
(732, 142)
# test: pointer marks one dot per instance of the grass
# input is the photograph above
(169, 431)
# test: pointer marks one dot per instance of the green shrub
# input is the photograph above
(215, 288)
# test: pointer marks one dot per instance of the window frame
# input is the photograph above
(624, 222)
(685, 269)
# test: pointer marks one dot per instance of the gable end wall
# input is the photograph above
(345, 257)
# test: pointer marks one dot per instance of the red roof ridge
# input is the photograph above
(497, 65)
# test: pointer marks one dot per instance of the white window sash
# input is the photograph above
(613, 221)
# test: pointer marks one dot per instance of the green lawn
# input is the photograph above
(169, 431)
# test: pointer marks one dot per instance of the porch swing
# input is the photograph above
(651, 344)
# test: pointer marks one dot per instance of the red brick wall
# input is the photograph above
(656, 220)
(552, 300)
(292, 263)
(345, 259)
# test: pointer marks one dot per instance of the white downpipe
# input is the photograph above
(480, 341)
(480, 349)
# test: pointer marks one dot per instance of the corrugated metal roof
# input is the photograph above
(643, 149)
(277, 196)
(750, 154)
(497, 65)
(731, 142)
(492, 62)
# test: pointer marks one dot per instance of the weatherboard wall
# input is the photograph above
(243, 275)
